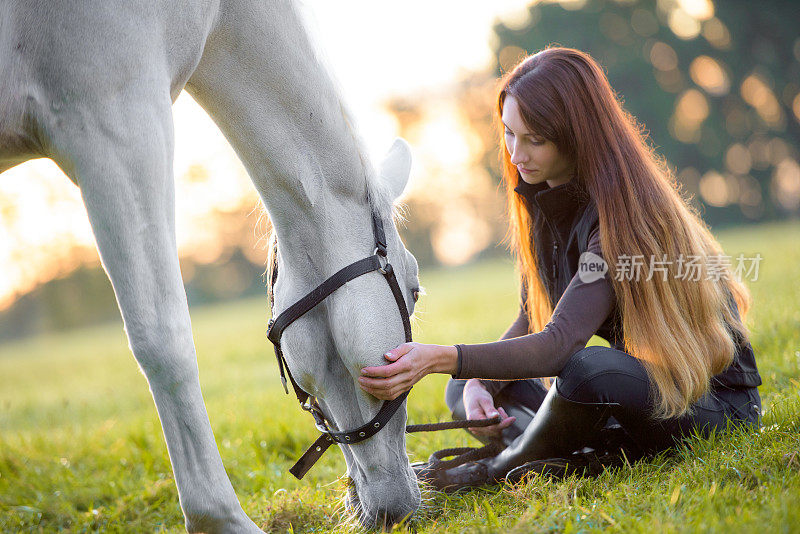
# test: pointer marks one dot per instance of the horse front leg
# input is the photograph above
(122, 162)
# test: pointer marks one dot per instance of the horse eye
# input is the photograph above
(415, 295)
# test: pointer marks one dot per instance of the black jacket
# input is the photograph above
(563, 218)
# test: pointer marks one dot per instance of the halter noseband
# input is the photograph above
(378, 261)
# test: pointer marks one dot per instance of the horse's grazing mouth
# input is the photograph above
(381, 520)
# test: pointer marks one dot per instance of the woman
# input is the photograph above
(584, 187)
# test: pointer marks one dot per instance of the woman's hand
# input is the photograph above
(479, 404)
(411, 362)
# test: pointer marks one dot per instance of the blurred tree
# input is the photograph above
(226, 261)
(86, 297)
(455, 211)
(717, 88)
(716, 85)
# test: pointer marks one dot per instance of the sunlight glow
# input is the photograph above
(750, 198)
(446, 153)
(375, 50)
(714, 189)
(698, 9)
(663, 57)
(738, 159)
(786, 184)
(709, 74)
(683, 25)
(796, 107)
(44, 232)
(757, 92)
(691, 109)
(717, 34)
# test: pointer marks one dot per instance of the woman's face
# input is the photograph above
(536, 158)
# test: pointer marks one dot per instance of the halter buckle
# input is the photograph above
(322, 428)
(385, 267)
(319, 417)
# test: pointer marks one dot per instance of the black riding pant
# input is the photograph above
(605, 375)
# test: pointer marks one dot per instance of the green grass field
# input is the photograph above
(81, 448)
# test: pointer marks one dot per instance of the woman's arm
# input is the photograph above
(518, 328)
(418, 359)
(581, 310)
(578, 314)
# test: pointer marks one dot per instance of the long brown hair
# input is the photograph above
(682, 330)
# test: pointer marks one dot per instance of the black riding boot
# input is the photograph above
(560, 427)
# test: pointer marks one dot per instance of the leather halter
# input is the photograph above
(378, 261)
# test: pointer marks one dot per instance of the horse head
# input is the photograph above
(327, 347)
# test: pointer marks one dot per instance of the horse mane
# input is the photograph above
(377, 193)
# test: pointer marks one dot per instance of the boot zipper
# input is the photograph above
(555, 261)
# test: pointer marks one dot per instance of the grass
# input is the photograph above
(81, 447)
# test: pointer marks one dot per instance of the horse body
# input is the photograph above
(92, 87)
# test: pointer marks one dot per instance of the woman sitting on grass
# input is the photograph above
(584, 188)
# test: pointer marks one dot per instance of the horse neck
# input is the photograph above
(263, 85)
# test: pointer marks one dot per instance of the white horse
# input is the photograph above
(91, 84)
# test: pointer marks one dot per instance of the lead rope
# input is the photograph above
(461, 455)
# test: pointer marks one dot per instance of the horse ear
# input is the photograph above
(396, 166)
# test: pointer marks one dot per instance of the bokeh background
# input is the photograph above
(717, 85)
